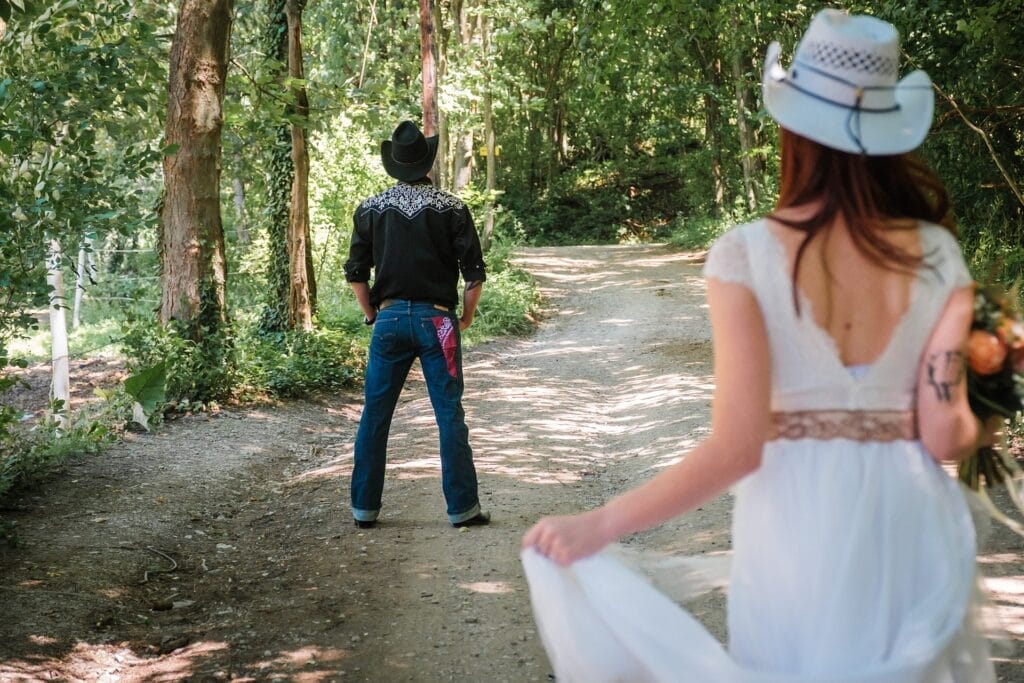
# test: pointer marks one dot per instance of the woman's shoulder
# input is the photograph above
(941, 251)
(938, 240)
(936, 232)
(729, 256)
(743, 233)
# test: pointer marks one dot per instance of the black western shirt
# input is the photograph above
(417, 239)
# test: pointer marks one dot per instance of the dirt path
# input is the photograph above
(223, 549)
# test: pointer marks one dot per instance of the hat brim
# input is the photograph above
(881, 133)
(409, 172)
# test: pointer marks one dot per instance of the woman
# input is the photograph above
(839, 327)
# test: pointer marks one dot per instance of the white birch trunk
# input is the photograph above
(76, 318)
(60, 387)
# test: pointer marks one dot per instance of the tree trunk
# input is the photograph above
(429, 74)
(745, 135)
(428, 67)
(302, 290)
(462, 173)
(191, 233)
(712, 132)
(281, 181)
(444, 162)
(488, 136)
(76, 316)
(241, 226)
(60, 386)
(463, 161)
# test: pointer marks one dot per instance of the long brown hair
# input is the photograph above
(873, 194)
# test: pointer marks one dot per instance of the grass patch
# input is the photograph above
(29, 453)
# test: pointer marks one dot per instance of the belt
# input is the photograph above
(391, 302)
(855, 425)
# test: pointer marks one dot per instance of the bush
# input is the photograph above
(296, 364)
(698, 233)
(196, 372)
(27, 455)
(510, 303)
(613, 201)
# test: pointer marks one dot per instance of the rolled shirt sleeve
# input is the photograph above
(360, 250)
(467, 248)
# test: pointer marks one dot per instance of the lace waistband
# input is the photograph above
(855, 425)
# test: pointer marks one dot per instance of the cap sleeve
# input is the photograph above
(728, 260)
(952, 266)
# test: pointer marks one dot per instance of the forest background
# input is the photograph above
(560, 122)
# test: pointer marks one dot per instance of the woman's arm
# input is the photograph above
(948, 428)
(739, 423)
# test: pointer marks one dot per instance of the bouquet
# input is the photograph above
(995, 387)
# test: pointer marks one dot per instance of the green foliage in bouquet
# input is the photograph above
(995, 387)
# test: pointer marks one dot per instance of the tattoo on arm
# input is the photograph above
(945, 372)
(470, 286)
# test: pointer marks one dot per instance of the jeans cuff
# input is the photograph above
(365, 515)
(463, 516)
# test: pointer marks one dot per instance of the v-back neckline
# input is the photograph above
(825, 340)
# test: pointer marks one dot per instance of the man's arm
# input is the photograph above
(471, 264)
(360, 260)
(362, 292)
(470, 299)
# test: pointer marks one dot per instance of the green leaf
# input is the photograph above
(148, 387)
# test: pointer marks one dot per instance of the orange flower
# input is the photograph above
(986, 353)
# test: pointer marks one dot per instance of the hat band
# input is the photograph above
(833, 89)
(411, 163)
(853, 121)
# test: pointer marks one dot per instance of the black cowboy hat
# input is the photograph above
(408, 155)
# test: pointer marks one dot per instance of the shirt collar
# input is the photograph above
(421, 181)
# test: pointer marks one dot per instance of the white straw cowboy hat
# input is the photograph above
(842, 91)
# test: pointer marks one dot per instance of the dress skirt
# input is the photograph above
(852, 562)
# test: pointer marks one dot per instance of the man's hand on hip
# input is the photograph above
(470, 298)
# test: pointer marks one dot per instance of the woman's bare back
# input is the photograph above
(856, 301)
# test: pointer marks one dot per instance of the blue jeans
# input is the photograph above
(404, 331)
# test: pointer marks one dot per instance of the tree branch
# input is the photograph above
(984, 136)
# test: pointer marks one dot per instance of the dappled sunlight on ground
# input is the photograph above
(577, 396)
(95, 661)
(271, 579)
(1004, 588)
(101, 662)
(488, 587)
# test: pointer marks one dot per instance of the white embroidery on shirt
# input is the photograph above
(411, 200)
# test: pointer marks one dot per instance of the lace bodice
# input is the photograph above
(807, 372)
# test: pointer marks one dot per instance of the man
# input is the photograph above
(417, 239)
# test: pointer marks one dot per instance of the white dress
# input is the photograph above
(853, 560)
